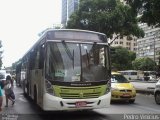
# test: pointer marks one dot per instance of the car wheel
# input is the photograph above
(131, 101)
(157, 98)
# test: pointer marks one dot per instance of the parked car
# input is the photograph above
(122, 89)
(157, 92)
(3, 75)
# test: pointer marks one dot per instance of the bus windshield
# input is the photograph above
(76, 62)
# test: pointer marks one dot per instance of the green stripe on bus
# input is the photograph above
(79, 92)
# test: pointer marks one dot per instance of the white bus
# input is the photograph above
(68, 69)
(133, 74)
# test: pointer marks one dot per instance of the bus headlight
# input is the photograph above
(108, 89)
(49, 87)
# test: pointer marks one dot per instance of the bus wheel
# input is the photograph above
(24, 87)
(35, 95)
(27, 89)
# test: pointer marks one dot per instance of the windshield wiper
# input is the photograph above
(88, 62)
(68, 52)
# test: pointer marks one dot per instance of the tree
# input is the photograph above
(106, 16)
(1, 54)
(145, 64)
(122, 58)
(150, 10)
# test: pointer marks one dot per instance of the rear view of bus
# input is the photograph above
(75, 71)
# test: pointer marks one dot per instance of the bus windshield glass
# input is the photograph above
(76, 62)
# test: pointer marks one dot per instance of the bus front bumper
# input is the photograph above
(52, 103)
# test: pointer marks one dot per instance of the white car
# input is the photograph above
(3, 75)
(157, 92)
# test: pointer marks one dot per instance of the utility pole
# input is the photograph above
(154, 58)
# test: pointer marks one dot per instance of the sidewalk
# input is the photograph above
(10, 109)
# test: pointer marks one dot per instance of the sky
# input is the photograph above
(20, 23)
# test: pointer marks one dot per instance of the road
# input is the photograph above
(24, 109)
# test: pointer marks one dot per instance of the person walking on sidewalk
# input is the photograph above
(8, 88)
(1, 98)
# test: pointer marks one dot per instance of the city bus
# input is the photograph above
(132, 74)
(18, 74)
(68, 69)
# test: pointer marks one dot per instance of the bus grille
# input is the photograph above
(66, 92)
(79, 95)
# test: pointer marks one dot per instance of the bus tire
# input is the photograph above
(25, 89)
(23, 86)
(35, 95)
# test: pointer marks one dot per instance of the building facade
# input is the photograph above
(68, 7)
(128, 43)
(149, 46)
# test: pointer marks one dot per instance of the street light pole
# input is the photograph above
(154, 48)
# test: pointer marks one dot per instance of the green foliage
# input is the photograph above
(106, 16)
(150, 10)
(122, 58)
(151, 13)
(145, 64)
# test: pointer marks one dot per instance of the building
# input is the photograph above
(126, 42)
(68, 7)
(149, 46)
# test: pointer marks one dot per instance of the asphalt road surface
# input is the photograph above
(143, 108)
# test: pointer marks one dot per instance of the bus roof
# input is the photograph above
(71, 34)
(74, 34)
(48, 30)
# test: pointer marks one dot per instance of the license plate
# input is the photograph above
(81, 104)
(126, 95)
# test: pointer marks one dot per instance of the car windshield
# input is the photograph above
(118, 78)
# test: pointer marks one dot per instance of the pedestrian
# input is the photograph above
(8, 88)
(1, 97)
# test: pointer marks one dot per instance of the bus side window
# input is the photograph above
(32, 60)
(41, 58)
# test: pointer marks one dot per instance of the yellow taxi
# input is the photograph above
(122, 89)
